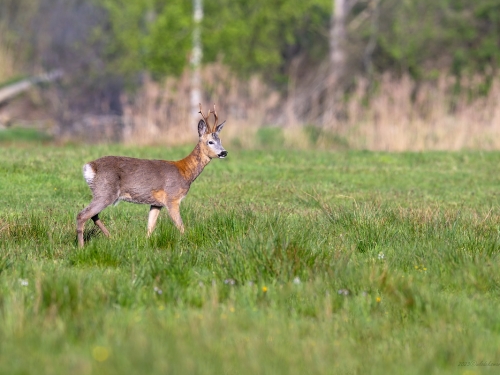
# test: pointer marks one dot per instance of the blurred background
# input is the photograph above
(363, 74)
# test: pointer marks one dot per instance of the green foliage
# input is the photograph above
(418, 38)
(292, 262)
(123, 34)
(249, 36)
(147, 34)
(168, 42)
(456, 36)
(264, 36)
(407, 39)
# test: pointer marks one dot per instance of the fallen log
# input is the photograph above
(10, 91)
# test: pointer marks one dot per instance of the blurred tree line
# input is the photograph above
(105, 46)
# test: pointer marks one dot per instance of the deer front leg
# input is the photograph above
(175, 214)
(154, 211)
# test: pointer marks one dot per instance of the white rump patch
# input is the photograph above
(88, 174)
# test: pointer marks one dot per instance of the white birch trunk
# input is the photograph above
(196, 56)
(337, 59)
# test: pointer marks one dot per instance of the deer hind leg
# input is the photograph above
(153, 216)
(91, 212)
(175, 214)
(101, 226)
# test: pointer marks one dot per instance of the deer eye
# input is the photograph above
(211, 142)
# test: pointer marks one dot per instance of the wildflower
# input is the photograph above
(378, 299)
(230, 281)
(296, 280)
(343, 292)
(381, 256)
(264, 289)
(23, 282)
(100, 353)
(421, 268)
(158, 290)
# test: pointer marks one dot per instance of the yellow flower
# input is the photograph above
(264, 289)
(100, 353)
(378, 299)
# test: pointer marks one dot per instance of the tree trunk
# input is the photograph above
(372, 42)
(196, 56)
(337, 60)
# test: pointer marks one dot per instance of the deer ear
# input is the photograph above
(202, 128)
(219, 127)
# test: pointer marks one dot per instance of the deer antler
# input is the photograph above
(205, 118)
(216, 119)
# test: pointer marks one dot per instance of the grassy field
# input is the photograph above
(293, 262)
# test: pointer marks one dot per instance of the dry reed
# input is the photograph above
(398, 116)
(159, 112)
(435, 119)
(7, 59)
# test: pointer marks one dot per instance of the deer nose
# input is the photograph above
(223, 154)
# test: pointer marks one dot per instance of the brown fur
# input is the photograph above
(160, 196)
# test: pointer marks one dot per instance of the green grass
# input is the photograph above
(17, 134)
(293, 262)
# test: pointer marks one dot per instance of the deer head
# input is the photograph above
(210, 142)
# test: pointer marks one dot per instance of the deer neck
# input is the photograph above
(192, 165)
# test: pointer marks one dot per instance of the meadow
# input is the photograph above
(293, 262)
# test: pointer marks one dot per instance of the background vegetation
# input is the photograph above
(319, 66)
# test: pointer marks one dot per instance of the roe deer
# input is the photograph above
(159, 183)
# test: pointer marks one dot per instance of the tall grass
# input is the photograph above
(404, 115)
(292, 263)
(398, 114)
(7, 59)
(161, 112)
